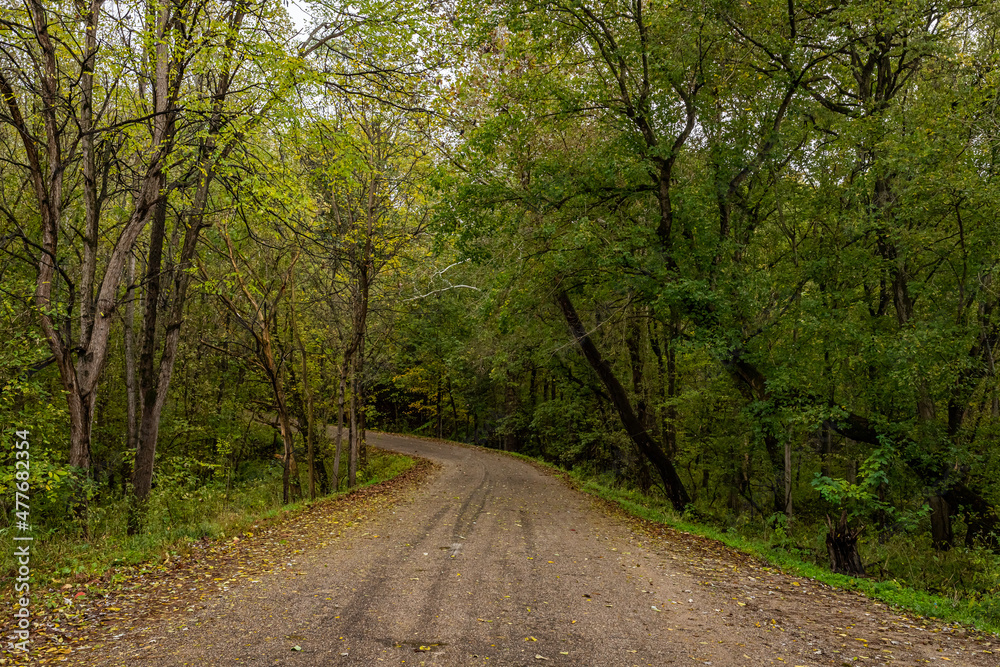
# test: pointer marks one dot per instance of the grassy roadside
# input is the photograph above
(983, 614)
(79, 620)
(208, 512)
(74, 618)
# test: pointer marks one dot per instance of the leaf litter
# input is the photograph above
(834, 626)
(71, 623)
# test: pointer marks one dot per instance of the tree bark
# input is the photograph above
(154, 380)
(131, 390)
(290, 474)
(842, 547)
(340, 421)
(352, 461)
(362, 410)
(142, 472)
(306, 394)
(437, 409)
(788, 477)
(941, 531)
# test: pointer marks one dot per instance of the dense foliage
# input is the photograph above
(737, 254)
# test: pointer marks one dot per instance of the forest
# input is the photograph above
(732, 257)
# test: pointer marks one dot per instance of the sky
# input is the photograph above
(296, 9)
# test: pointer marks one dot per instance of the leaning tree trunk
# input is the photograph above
(154, 380)
(149, 415)
(788, 477)
(131, 391)
(842, 546)
(672, 483)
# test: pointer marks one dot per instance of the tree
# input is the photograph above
(749, 179)
(257, 314)
(60, 94)
(365, 172)
(212, 149)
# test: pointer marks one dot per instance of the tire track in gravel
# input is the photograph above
(494, 562)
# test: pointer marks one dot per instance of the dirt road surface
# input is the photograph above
(492, 562)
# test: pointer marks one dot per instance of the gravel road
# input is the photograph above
(493, 562)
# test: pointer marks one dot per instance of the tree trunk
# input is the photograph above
(310, 451)
(941, 531)
(133, 408)
(362, 405)
(827, 452)
(437, 409)
(352, 461)
(81, 424)
(842, 547)
(362, 426)
(290, 473)
(131, 391)
(290, 476)
(788, 477)
(633, 342)
(306, 390)
(340, 422)
(154, 380)
(666, 358)
(510, 440)
(454, 411)
(670, 414)
(672, 484)
(149, 421)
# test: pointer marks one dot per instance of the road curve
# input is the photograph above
(493, 562)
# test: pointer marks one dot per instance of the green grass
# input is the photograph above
(177, 517)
